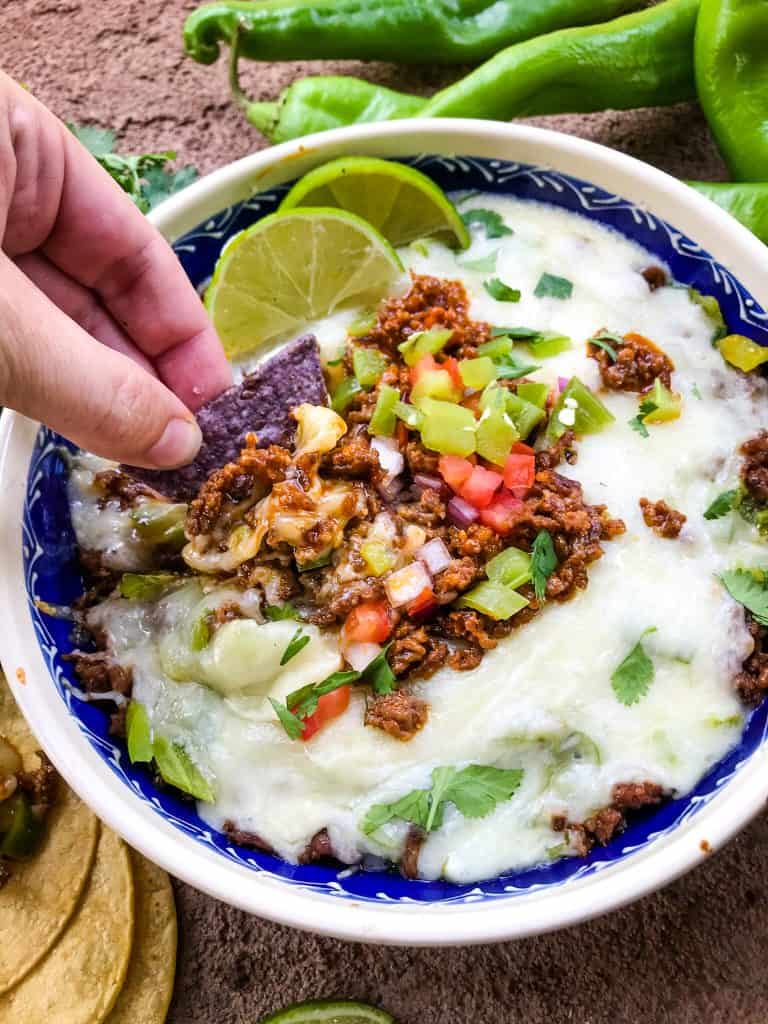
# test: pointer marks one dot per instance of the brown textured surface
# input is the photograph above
(692, 953)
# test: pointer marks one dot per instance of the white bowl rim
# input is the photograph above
(635, 875)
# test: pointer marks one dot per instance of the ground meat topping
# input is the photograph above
(399, 714)
(639, 362)
(754, 468)
(318, 848)
(752, 682)
(604, 824)
(353, 458)
(119, 489)
(430, 302)
(631, 796)
(41, 783)
(248, 478)
(655, 277)
(250, 840)
(100, 673)
(663, 520)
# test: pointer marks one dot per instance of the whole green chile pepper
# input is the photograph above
(747, 202)
(406, 31)
(639, 60)
(731, 63)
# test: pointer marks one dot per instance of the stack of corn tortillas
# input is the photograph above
(89, 926)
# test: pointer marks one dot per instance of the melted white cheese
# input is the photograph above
(550, 679)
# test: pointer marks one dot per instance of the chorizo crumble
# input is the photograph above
(663, 520)
(639, 362)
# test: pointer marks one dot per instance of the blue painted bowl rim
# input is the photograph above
(394, 140)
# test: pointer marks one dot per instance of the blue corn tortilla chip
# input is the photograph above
(261, 404)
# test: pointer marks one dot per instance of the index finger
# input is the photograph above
(102, 240)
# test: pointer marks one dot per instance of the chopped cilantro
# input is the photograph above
(378, 674)
(474, 791)
(603, 340)
(543, 562)
(695, 391)
(752, 512)
(638, 422)
(297, 643)
(722, 505)
(553, 287)
(518, 333)
(750, 589)
(146, 586)
(632, 678)
(511, 367)
(290, 722)
(145, 177)
(489, 220)
(277, 612)
(500, 291)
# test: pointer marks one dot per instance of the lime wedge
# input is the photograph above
(329, 1012)
(402, 203)
(289, 268)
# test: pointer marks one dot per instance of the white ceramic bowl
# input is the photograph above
(322, 908)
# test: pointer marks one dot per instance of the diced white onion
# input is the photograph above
(360, 656)
(390, 456)
(435, 555)
(406, 584)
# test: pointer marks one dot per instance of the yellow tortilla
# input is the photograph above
(41, 895)
(146, 994)
(79, 981)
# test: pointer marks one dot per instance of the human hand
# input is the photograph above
(102, 336)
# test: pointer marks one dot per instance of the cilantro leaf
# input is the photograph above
(750, 591)
(695, 391)
(278, 612)
(517, 333)
(145, 586)
(292, 724)
(638, 422)
(603, 339)
(511, 367)
(722, 505)
(474, 791)
(303, 702)
(553, 287)
(632, 678)
(145, 176)
(500, 291)
(489, 220)
(543, 562)
(177, 768)
(378, 674)
(297, 643)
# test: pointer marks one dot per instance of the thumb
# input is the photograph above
(53, 371)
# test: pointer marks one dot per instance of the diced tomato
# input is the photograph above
(455, 470)
(423, 603)
(480, 486)
(519, 473)
(503, 514)
(425, 364)
(329, 706)
(451, 365)
(519, 448)
(368, 623)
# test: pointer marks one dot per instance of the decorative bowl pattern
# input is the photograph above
(52, 575)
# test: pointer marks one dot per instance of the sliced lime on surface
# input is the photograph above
(289, 268)
(329, 1012)
(402, 203)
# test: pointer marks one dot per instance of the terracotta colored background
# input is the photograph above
(693, 953)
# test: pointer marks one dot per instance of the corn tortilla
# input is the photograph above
(146, 994)
(79, 981)
(42, 893)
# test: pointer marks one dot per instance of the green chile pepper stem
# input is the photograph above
(731, 61)
(639, 60)
(748, 203)
(454, 31)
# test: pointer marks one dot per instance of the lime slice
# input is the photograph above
(329, 1012)
(289, 268)
(402, 203)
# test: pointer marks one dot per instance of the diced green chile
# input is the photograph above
(383, 420)
(368, 365)
(591, 415)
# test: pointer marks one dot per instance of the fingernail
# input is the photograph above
(178, 444)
